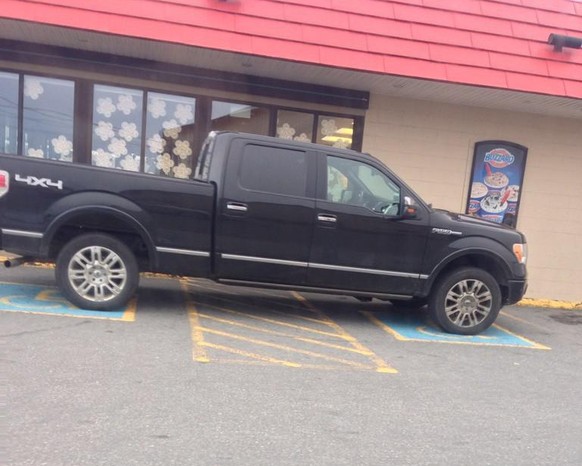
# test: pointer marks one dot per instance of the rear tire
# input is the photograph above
(97, 271)
(466, 301)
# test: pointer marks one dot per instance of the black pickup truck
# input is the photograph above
(260, 212)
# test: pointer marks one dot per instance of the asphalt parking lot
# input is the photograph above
(195, 373)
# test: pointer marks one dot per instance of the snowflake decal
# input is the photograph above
(341, 144)
(182, 149)
(62, 145)
(126, 104)
(33, 88)
(36, 153)
(182, 171)
(130, 163)
(164, 163)
(328, 127)
(303, 138)
(171, 129)
(117, 147)
(128, 131)
(100, 158)
(157, 107)
(184, 113)
(286, 131)
(104, 130)
(156, 144)
(105, 107)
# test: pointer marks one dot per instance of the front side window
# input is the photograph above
(117, 121)
(48, 110)
(356, 183)
(274, 170)
(8, 113)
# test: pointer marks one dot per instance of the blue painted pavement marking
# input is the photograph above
(47, 300)
(414, 326)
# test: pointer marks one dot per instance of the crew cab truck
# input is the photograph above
(261, 212)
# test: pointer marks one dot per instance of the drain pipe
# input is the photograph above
(16, 261)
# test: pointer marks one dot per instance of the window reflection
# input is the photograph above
(170, 133)
(117, 118)
(48, 118)
(8, 113)
(227, 116)
(295, 125)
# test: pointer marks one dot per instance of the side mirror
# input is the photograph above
(409, 211)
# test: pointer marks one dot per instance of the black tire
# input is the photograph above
(410, 304)
(466, 301)
(97, 271)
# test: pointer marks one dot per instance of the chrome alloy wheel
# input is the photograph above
(468, 303)
(97, 273)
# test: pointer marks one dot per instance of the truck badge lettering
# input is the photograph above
(42, 182)
(444, 231)
(4, 182)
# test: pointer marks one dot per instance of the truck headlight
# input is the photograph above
(520, 251)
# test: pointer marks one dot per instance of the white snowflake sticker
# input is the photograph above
(182, 149)
(182, 171)
(156, 144)
(184, 113)
(62, 145)
(128, 131)
(171, 129)
(100, 158)
(126, 104)
(105, 107)
(157, 107)
(33, 88)
(328, 127)
(286, 131)
(302, 137)
(130, 163)
(37, 153)
(104, 130)
(164, 163)
(117, 147)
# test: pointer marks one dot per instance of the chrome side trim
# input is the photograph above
(360, 270)
(27, 234)
(264, 260)
(185, 252)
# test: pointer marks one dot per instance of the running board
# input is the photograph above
(309, 289)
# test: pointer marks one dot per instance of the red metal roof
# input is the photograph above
(493, 43)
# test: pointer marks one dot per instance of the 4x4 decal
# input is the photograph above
(42, 182)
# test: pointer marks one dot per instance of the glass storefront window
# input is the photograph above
(117, 120)
(335, 131)
(170, 133)
(48, 111)
(295, 125)
(8, 113)
(227, 116)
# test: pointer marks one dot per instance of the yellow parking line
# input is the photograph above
(381, 365)
(250, 355)
(282, 347)
(283, 334)
(198, 352)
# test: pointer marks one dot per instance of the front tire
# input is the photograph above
(465, 302)
(97, 271)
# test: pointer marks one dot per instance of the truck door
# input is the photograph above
(265, 216)
(360, 241)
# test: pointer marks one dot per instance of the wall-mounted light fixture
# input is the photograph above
(559, 42)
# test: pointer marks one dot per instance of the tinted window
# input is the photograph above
(274, 170)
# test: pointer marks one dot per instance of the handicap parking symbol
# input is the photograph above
(37, 299)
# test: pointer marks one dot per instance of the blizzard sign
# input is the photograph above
(499, 158)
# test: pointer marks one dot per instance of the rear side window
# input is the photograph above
(274, 170)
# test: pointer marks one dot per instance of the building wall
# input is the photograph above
(431, 146)
(496, 43)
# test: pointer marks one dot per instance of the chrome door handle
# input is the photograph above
(239, 207)
(327, 218)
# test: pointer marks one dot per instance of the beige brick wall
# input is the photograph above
(430, 145)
